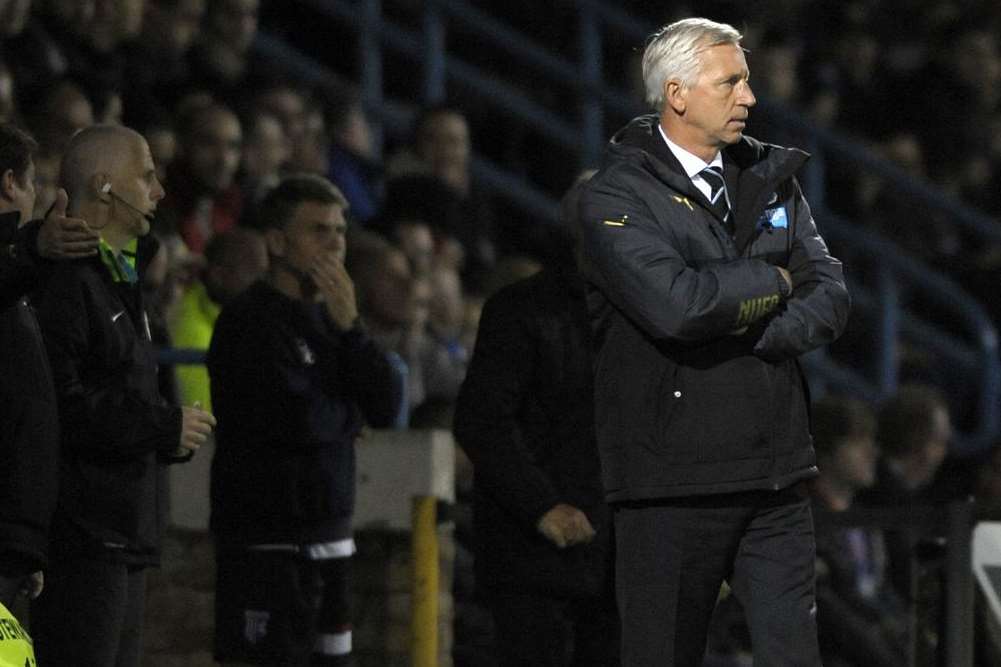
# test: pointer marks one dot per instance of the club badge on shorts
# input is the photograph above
(255, 625)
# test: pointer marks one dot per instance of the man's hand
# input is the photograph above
(337, 290)
(565, 525)
(62, 237)
(785, 276)
(196, 426)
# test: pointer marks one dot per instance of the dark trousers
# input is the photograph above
(530, 629)
(672, 555)
(89, 615)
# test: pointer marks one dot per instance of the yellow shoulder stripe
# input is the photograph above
(683, 200)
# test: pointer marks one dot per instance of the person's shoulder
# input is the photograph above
(749, 152)
(254, 303)
(546, 291)
(70, 274)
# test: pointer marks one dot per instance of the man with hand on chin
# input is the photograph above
(116, 429)
(294, 377)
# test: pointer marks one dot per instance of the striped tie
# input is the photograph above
(717, 186)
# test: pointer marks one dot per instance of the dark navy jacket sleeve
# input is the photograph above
(634, 259)
(486, 422)
(18, 259)
(817, 312)
(370, 378)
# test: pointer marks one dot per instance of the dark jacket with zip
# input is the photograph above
(291, 392)
(697, 385)
(29, 434)
(525, 418)
(116, 430)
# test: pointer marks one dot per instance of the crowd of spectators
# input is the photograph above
(223, 126)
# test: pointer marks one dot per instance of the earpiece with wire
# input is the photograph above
(106, 189)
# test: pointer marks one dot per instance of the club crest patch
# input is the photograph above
(305, 353)
(255, 625)
(774, 218)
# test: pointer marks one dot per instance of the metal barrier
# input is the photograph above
(950, 524)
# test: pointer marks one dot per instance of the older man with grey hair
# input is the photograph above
(707, 280)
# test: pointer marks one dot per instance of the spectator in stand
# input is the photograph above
(294, 374)
(924, 233)
(442, 149)
(222, 58)
(47, 47)
(46, 180)
(288, 103)
(59, 113)
(266, 152)
(29, 439)
(352, 154)
(860, 619)
(525, 419)
(234, 260)
(159, 132)
(415, 239)
(914, 432)
(116, 430)
(8, 100)
(157, 69)
(444, 357)
(388, 304)
(204, 199)
(14, 16)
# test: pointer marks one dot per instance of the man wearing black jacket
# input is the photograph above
(116, 432)
(29, 440)
(707, 279)
(542, 528)
(294, 376)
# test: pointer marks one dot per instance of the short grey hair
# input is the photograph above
(673, 53)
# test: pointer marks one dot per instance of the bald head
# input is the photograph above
(109, 175)
(97, 151)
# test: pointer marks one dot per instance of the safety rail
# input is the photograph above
(950, 525)
(582, 130)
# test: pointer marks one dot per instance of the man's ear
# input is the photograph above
(99, 185)
(275, 240)
(675, 96)
(8, 181)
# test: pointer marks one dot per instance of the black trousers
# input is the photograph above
(672, 555)
(531, 629)
(89, 615)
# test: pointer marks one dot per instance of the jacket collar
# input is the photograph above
(753, 170)
(8, 226)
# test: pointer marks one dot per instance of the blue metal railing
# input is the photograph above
(972, 355)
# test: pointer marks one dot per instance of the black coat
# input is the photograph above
(116, 429)
(697, 385)
(29, 435)
(525, 418)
